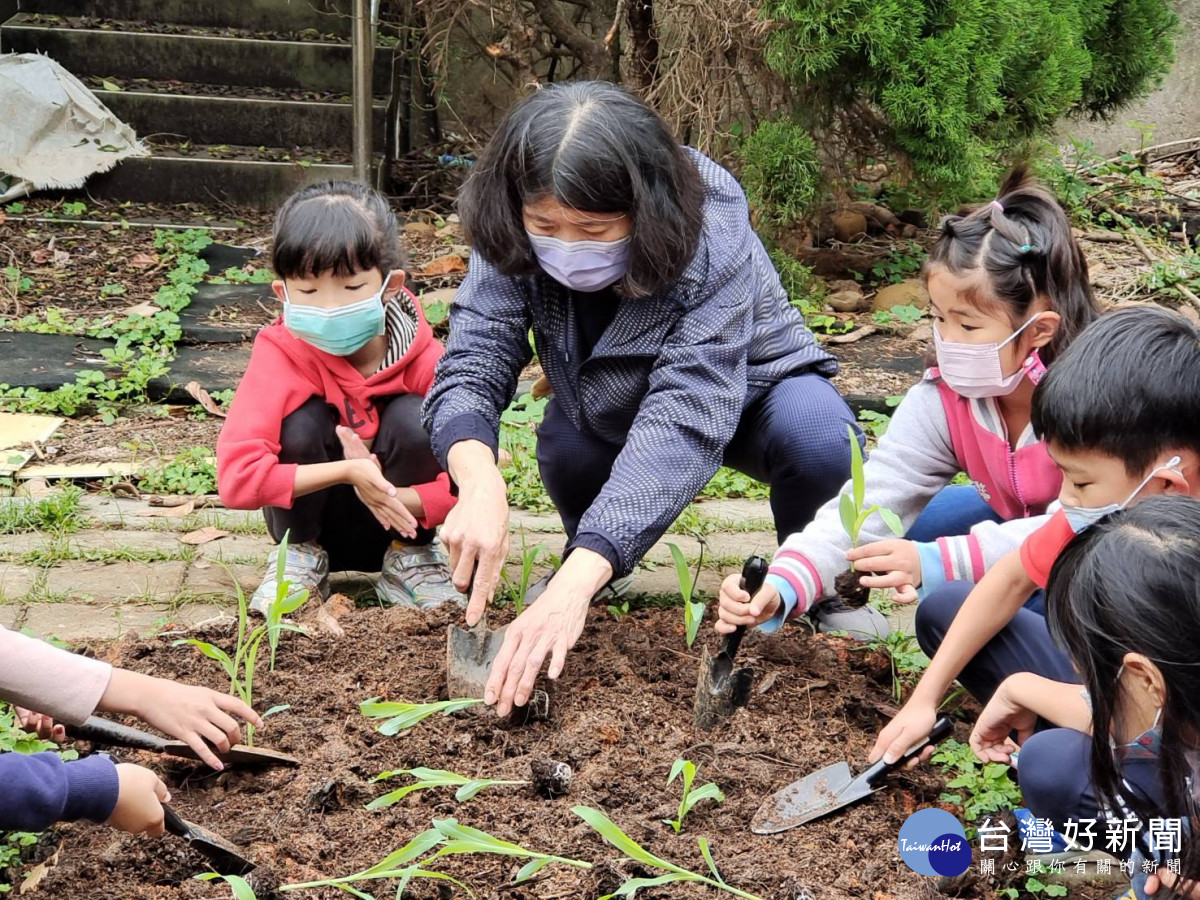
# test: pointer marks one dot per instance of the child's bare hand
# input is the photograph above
(200, 717)
(139, 801)
(40, 724)
(736, 606)
(897, 560)
(381, 497)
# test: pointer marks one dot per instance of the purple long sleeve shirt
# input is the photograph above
(39, 789)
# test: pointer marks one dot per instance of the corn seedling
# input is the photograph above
(686, 769)
(240, 667)
(399, 864)
(605, 827)
(405, 715)
(458, 839)
(851, 506)
(693, 613)
(431, 778)
(529, 558)
(238, 885)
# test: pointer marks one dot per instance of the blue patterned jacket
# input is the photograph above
(667, 381)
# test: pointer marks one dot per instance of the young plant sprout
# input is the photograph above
(463, 839)
(238, 885)
(240, 667)
(687, 769)
(693, 613)
(405, 715)
(605, 827)
(529, 558)
(431, 778)
(854, 515)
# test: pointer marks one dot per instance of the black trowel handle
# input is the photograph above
(754, 573)
(941, 730)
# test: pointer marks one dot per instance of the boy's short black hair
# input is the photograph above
(1128, 387)
(596, 148)
(341, 227)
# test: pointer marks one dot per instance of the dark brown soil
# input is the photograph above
(849, 590)
(619, 717)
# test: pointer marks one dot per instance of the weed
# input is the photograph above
(899, 264)
(74, 209)
(905, 314)
(986, 787)
(190, 471)
(529, 558)
(686, 769)
(405, 715)
(525, 487)
(618, 610)
(247, 275)
(730, 483)
(58, 513)
(436, 311)
(693, 613)
(608, 830)
(904, 655)
(874, 423)
(431, 778)
(16, 208)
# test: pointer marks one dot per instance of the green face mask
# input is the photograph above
(338, 332)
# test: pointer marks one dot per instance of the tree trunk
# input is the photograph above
(645, 43)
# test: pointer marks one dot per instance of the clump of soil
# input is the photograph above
(848, 589)
(619, 717)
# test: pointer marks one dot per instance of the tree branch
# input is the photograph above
(589, 51)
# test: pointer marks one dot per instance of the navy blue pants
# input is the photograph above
(1054, 767)
(793, 438)
(952, 511)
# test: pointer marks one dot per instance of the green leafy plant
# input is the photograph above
(693, 612)
(240, 667)
(904, 656)
(436, 311)
(432, 778)
(459, 839)
(238, 885)
(57, 513)
(16, 208)
(608, 830)
(1035, 886)
(619, 609)
(730, 483)
(780, 172)
(74, 209)
(686, 769)
(854, 513)
(192, 470)
(401, 716)
(985, 787)
(518, 590)
(874, 423)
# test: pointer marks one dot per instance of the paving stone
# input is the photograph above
(17, 581)
(11, 613)
(737, 510)
(718, 545)
(123, 513)
(117, 582)
(115, 540)
(84, 621)
(238, 546)
(205, 577)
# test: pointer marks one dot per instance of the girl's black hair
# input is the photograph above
(1131, 584)
(338, 226)
(596, 148)
(1022, 241)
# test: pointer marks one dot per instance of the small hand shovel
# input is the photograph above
(226, 858)
(470, 653)
(720, 689)
(114, 734)
(833, 788)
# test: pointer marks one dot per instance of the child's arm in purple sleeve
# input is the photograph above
(40, 789)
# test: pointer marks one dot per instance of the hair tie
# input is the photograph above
(1025, 248)
(998, 205)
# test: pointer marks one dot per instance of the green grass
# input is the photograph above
(59, 513)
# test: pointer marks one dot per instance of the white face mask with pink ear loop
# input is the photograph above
(975, 370)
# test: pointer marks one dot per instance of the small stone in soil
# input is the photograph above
(551, 778)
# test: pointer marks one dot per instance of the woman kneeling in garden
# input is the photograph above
(668, 341)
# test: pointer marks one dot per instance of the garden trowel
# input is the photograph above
(720, 688)
(470, 653)
(114, 734)
(833, 788)
(224, 857)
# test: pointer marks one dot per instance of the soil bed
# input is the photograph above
(619, 717)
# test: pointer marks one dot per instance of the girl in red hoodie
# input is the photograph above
(325, 434)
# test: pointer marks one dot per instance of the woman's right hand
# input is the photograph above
(736, 607)
(476, 530)
(911, 725)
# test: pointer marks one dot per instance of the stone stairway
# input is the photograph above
(240, 102)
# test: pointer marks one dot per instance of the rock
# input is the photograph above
(922, 334)
(842, 284)
(848, 225)
(910, 292)
(551, 778)
(880, 218)
(848, 301)
(420, 228)
(908, 231)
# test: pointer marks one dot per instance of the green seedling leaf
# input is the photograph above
(211, 652)
(241, 890)
(277, 709)
(848, 515)
(458, 839)
(633, 885)
(431, 778)
(705, 792)
(682, 571)
(708, 859)
(608, 830)
(856, 468)
(892, 521)
(414, 849)
(401, 716)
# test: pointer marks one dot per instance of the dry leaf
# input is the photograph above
(419, 227)
(449, 264)
(42, 255)
(856, 335)
(170, 512)
(202, 536)
(768, 682)
(204, 399)
(141, 309)
(61, 258)
(143, 260)
(35, 875)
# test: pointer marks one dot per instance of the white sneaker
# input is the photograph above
(306, 566)
(417, 577)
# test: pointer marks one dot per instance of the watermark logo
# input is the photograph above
(933, 842)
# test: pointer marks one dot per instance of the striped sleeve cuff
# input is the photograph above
(933, 573)
(962, 558)
(798, 584)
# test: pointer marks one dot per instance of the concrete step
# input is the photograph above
(301, 65)
(240, 120)
(325, 16)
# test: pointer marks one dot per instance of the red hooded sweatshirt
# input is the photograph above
(283, 374)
